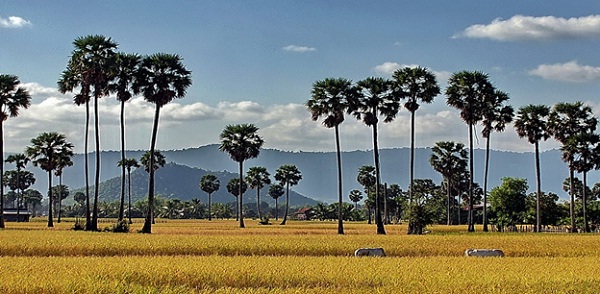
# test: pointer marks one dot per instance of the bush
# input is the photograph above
(264, 220)
(79, 225)
(120, 227)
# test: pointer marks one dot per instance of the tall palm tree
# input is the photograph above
(20, 160)
(257, 177)
(565, 121)
(241, 142)
(161, 78)
(43, 152)
(467, 92)
(287, 175)
(276, 191)
(126, 66)
(91, 67)
(531, 123)
(449, 159)
(375, 99)
(12, 99)
(129, 163)
(355, 196)
(234, 188)
(496, 115)
(209, 183)
(366, 177)
(63, 160)
(329, 99)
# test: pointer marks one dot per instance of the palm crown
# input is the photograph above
(241, 142)
(12, 97)
(161, 78)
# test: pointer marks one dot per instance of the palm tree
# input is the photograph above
(565, 121)
(375, 99)
(234, 188)
(257, 177)
(495, 117)
(330, 100)
(63, 160)
(157, 161)
(91, 67)
(126, 69)
(355, 196)
(43, 152)
(242, 142)
(129, 163)
(366, 177)
(287, 175)
(276, 191)
(449, 159)
(20, 160)
(12, 99)
(531, 123)
(209, 183)
(161, 78)
(415, 84)
(467, 92)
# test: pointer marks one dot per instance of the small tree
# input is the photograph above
(287, 175)
(508, 201)
(276, 191)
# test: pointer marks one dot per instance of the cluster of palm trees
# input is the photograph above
(96, 70)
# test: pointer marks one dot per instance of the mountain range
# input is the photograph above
(319, 168)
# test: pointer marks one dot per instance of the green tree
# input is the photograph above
(161, 78)
(508, 201)
(449, 159)
(20, 160)
(241, 142)
(43, 152)
(355, 196)
(276, 191)
(12, 99)
(234, 188)
(126, 67)
(157, 161)
(257, 177)
(548, 204)
(329, 99)
(209, 183)
(420, 209)
(496, 114)
(366, 177)
(128, 163)
(287, 175)
(60, 193)
(466, 92)
(63, 160)
(565, 121)
(33, 198)
(532, 123)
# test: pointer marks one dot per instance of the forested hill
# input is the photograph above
(319, 169)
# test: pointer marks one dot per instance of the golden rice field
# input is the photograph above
(302, 257)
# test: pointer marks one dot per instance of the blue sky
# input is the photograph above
(255, 62)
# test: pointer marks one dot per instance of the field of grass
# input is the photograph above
(218, 257)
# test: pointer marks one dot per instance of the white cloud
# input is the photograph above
(567, 72)
(530, 28)
(13, 22)
(300, 49)
(388, 68)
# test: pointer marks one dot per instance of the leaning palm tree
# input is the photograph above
(161, 78)
(12, 99)
(126, 66)
(449, 159)
(496, 115)
(43, 152)
(209, 183)
(62, 161)
(329, 99)
(257, 177)
(20, 160)
(366, 177)
(531, 123)
(375, 99)
(129, 163)
(287, 175)
(466, 92)
(241, 142)
(276, 191)
(91, 67)
(565, 121)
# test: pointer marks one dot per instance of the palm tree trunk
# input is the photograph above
(378, 221)
(572, 196)
(88, 214)
(276, 209)
(258, 202)
(448, 195)
(59, 196)
(411, 166)
(287, 203)
(339, 167)
(471, 225)
(129, 195)
(584, 204)
(241, 195)
(538, 216)
(50, 217)
(2, 225)
(485, 178)
(122, 203)
(147, 228)
(97, 175)
(19, 194)
(209, 207)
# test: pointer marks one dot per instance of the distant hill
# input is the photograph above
(177, 181)
(319, 169)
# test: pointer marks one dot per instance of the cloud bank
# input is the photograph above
(571, 71)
